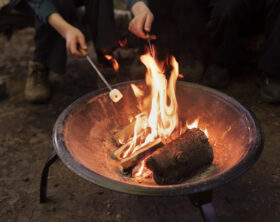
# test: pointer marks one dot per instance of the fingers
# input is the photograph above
(148, 22)
(141, 24)
(74, 44)
(82, 42)
(148, 25)
(139, 28)
(136, 27)
(74, 49)
(153, 37)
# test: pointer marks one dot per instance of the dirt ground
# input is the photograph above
(26, 142)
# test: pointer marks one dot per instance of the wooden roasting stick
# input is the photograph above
(132, 160)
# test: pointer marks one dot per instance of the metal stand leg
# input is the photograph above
(203, 200)
(44, 177)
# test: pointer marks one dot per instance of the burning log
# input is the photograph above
(182, 155)
(118, 153)
(181, 158)
(126, 134)
(133, 159)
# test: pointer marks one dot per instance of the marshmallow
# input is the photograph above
(115, 95)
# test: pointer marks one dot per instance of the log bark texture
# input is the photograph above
(181, 158)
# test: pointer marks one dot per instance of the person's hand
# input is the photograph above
(75, 40)
(142, 21)
(73, 36)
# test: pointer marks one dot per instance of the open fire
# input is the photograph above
(82, 139)
(158, 121)
(113, 61)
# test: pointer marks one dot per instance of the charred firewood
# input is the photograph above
(124, 134)
(181, 158)
(133, 159)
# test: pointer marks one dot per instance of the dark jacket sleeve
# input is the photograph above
(130, 3)
(42, 8)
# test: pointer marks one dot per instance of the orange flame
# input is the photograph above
(141, 171)
(159, 110)
(122, 43)
(114, 62)
(159, 115)
(195, 124)
(141, 168)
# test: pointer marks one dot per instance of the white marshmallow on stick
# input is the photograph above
(115, 95)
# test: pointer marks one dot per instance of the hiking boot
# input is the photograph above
(270, 88)
(37, 89)
(217, 77)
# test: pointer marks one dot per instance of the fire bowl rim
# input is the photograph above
(167, 190)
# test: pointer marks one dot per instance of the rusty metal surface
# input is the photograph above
(83, 138)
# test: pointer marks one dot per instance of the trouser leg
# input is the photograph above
(50, 47)
(230, 20)
(100, 19)
(269, 59)
(163, 26)
(180, 27)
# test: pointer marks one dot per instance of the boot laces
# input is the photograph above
(39, 76)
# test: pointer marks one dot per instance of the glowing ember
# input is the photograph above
(114, 62)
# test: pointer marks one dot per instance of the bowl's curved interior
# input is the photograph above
(88, 125)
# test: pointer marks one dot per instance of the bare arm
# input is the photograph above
(73, 36)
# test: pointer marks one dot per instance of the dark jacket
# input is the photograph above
(14, 3)
(43, 8)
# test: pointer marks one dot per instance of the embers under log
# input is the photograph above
(181, 158)
(172, 160)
